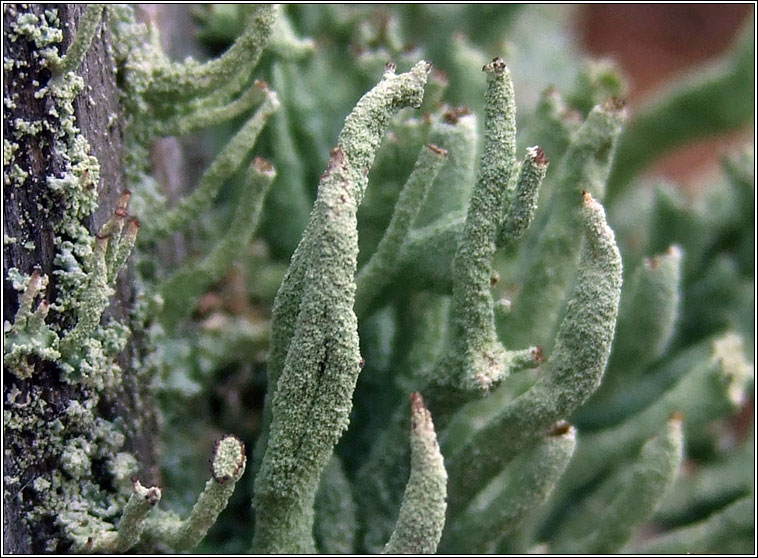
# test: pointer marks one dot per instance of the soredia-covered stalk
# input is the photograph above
(131, 525)
(223, 166)
(572, 373)
(378, 270)
(359, 140)
(227, 466)
(88, 25)
(315, 358)
(422, 513)
(312, 398)
(503, 504)
(550, 253)
(476, 361)
(626, 499)
(189, 78)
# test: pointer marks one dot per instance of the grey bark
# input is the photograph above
(132, 401)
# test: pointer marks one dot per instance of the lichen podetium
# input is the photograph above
(317, 224)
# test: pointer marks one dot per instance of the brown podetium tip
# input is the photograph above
(615, 103)
(437, 150)
(452, 115)
(262, 166)
(132, 227)
(496, 65)
(559, 428)
(539, 354)
(417, 409)
(540, 158)
(417, 402)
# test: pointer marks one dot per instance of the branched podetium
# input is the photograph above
(502, 314)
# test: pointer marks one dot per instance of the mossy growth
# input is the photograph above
(357, 238)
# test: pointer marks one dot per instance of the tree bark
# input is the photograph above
(31, 211)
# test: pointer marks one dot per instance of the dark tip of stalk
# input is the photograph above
(494, 278)
(417, 402)
(134, 222)
(260, 84)
(539, 354)
(677, 416)
(362, 363)
(538, 155)
(134, 479)
(452, 115)
(437, 150)
(572, 115)
(540, 158)
(121, 212)
(390, 67)
(102, 237)
(496, 65)
(615, 104)
(559, 428)
(586, 197)
(262, 166)
(153, 496)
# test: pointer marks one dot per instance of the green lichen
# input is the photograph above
(427, 272)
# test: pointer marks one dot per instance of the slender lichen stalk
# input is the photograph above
(88, 25)
(422, 513)
(223, 166)
(476, 361)
(172, 80)
(312, 398)
(315, 358)
(476, 358)
(503, 504)
(377, 272)
(358, 141)
(572, 373)
(227, 467)
(131, 525)
(181, 289)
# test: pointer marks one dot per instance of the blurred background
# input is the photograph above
(653, 43)
(686, 72)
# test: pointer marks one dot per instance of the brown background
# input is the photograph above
(655, 42)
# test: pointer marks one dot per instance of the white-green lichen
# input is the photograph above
(455, 268)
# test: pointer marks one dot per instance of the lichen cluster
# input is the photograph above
(386, 240)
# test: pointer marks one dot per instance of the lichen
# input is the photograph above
(423, 288)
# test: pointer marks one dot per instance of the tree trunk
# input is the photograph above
(31, 211)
